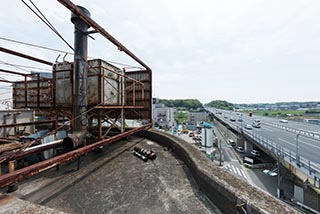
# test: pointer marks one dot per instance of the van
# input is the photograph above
(232, 142)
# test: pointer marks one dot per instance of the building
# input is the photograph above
(196, 117)
(163, 116)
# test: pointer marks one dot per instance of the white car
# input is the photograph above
(232, 142)
(283, 121)
(272, 173)
(255, 152)
(240, 149)
(248, 126)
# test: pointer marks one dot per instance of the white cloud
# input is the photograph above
(234, 50)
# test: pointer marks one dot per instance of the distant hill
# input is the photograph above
(221, 104)
(188, 104)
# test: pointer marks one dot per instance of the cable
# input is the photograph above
(13, 66)
(33, 45)
(62, 51)
(17, 66)
(48, 23)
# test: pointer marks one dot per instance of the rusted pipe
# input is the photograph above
(145, 152)
(26, 124)
(8, 156)
(73, 140)
(80, 71)
(73, 8)
(26, 172)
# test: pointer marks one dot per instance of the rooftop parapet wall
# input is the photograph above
(231, 194)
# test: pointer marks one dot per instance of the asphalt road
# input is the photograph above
(308, 147)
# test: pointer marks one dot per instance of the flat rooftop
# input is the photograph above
(113, 180)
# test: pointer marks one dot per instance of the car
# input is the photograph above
(232, 119)
(255, 153)
(232, 142)
(191, 134)
(248, 126)
(272, 173)
(240, 119)
(283, 121)
(240, 149)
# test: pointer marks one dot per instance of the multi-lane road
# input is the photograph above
(284, 135)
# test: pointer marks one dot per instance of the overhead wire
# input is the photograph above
(24, 66)
(22, 69)
(34, 45)
(48, 23)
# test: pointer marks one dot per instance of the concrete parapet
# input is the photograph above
(229, 193)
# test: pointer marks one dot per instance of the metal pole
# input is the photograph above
(278, 184)
(220, 151)
(297, 150)
(122, 100)
(80, 71)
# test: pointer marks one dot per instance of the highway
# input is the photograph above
(284, 135)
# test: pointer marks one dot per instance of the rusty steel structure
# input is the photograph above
(85, 97)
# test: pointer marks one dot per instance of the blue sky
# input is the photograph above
(242, 51)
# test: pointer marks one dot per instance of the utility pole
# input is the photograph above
(278, 184)
(297, 150)
(220, 151)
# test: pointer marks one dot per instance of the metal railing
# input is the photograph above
(309, 168)
(306, 133)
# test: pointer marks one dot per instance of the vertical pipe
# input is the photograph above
(80, 72)
(11, 166)
(25, 92)
(38, 90)
(122, 100)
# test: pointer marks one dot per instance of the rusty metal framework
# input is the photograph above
(114, 96)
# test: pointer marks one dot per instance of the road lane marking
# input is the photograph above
(309, 144)
(299, 141)
(286, 141)
(239, 172)
(234, 170)
(244, 174)
(268, 129)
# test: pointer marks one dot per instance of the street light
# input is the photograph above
(297, 150)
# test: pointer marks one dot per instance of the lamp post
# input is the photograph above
(241, 120)
(297, 150)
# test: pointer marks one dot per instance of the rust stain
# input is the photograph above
(6, 198)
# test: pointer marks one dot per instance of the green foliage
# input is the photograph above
(279, 113)
(187, 104)
(181, 117)
(313, 111)
(221, 104)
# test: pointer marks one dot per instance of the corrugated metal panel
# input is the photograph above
(138, 94)
(102, 84)
(32, 94)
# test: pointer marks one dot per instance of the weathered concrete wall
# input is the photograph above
(223, 189)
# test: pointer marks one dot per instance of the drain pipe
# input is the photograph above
(80, 70)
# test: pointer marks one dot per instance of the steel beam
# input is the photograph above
(25, 56)
(73, 8)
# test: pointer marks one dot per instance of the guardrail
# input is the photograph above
(308, 167)
(306, 133)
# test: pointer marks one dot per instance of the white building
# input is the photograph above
(163, 116)
(196, 117)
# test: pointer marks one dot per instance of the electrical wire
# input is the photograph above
(24, 66)
(22, 69)
(63, 51)
(35, 46)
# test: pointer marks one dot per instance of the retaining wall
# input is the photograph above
(229, 193)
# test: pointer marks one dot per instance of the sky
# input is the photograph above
(242, 51)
